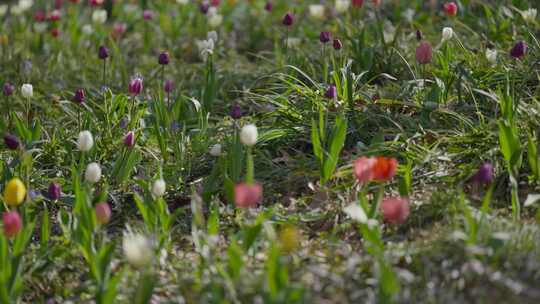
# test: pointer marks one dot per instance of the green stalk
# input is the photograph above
(250, 167)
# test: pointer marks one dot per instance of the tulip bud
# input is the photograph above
(484, 175)
(137, 250)
(148, 15)
(519, 50)
(324, 37)
(103, 52)
(215, 150)
(204, 7)
(85, 142)
(337, 44)
(357, 3)
(169, 86)
(129, 139)
(164, 58)
(236, 111)
(27, 90)
(450, 8)
(135, 86)
(159, 188)
(247, 195)
(8, 89)
(491, 56)
(93, 173)
(103, 213)
(447, 34)
(12, 223)
(248, 135)
(342, 6)
(395, 210)
(331, 92)
(356, 213)
(419, 35)
(79, 96)
(288, 19)
(55, 191)
(14, 192)
(424, 53)
(268, 6)
(11, 141)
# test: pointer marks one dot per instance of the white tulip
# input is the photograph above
(293, 42)
(215, 150)
(316, 11)
(99, 16)
(137, 249)
(158, 188)
(248, 135)
(182, 1)
(26, 4)
(529, 15)
(212, 35)
(491, 56)
(40, 27)
(87, 29)
(447, 34)
(342, 5)
(93, 173)
(27, 90)
(85, 142)
(356, 212)
(215, 20)
(206, 47)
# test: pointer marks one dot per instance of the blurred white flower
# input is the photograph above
(249, 134)
(87, 29)
(491, 55)
(214, 18)
(316, 11)
(447, 34)
(93, 173)
(356, 212)
(158, 188)
(26, 4)
(40, 27)
(206, 47)
(529, 15)
(3, 9)
(137, 249)
(293, 42)
(27, 90)
(408, 14)
(182, 1)
(99, 16)
(130, 8)
(342, 5)
(215, 150)
(212, 35)
(85, 142)
(389, 32)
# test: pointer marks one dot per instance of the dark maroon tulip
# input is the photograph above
(236, 111)
(419, 35)
(331, 92)
(79, 96)
(269, 6)
(164, 58)
(129, 139)
(337, 44)
(324, 37)
(103, 52)
(519, 50)
(11, 141)
(424, 53)
(484, 175)
(135, 86)
(169, 86)
(55, 191)
(204, 7)
(8, 89)
(288, 19)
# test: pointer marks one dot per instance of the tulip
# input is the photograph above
(148, 15)
(54, 191)
(357, 3)
(103, 52)
(288, 19)
(450, 8)
(268, 6)
(103, 213)
(39, 16)
(236, 111)
(135, 86)
(93, 173)
(376, 2)
(289, 239)
(99, 16)
(27, 90)
(519, 50)
(331, 92)
(384, 168)
(324, 37)
(204, 7)
(491, 56)
(395, 210)
(484, 175)
(424, 53)
(215, 150)
(363, 169)
(356, 213)
(8, 89)
(11, 141)
(158, 188)
(247, 195)
(419, 35)
(14, 192)
(12, 223)
(79, 96)
(248, 135)
(137, 250)
(168, 86)
(316, 11)
(129, 139)
(85, 142)
(337, 44)
(55, 32)
(164, 58)
(55, 15)
(447, 34)
(342, 6)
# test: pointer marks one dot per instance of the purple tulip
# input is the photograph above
(11, 141)
(484, 175)
(268, 6)
(424, 53)
(148, 14)
(204, 7)
(519, 50)
(129, 139)
(324, 37)
(164, 58)
(55, 191)
(337, 44)
(123, 122)
(331, 92)
(419, 35)
(288, 19)
(79, 96)
(103, 52)
(169, 86)
(236, 112)
(8, 89)
(135, 86)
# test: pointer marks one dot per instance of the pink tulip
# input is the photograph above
(395, 210)
(12, 223)
(363, 169)
(247, 195)
(103, 213)
(424, 53)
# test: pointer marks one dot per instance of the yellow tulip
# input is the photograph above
(289, 238)
(15, 192)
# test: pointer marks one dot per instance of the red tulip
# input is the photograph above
(395, 210)
(357, 3)
(12, 223)
(384, 168)
(247, 195)
(450, 8)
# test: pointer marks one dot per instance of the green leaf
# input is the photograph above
(337, 141)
